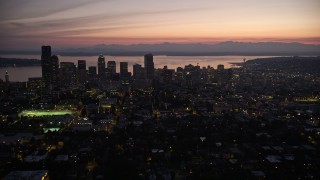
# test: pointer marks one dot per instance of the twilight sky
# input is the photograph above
(73, 23)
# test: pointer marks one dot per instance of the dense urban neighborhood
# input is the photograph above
(258, 120)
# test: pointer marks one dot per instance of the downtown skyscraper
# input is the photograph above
(123, 69)
(138, 72)
(149, 66)
(101, 67)
(111, 70)
(82, 71)
(50, 67)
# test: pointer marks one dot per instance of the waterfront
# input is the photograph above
(23, 73)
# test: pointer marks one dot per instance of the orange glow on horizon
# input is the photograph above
(74, 24)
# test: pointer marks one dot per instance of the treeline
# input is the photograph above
(289, 64)
(15, 62)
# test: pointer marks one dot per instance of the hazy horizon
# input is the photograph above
(187, 49)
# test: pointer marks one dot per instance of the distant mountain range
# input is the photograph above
(223, 48)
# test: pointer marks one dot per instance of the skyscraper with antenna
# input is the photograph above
(7, 77)
(101, 66)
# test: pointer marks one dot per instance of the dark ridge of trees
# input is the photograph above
(16, 62)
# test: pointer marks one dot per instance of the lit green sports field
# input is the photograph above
(39, 113)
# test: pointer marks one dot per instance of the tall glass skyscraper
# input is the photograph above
(50, 67)
(149, 66)
(45, 64)
(101, 67)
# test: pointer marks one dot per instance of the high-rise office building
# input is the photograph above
(82, 71)
(138, 72)
(111, 70)
(67, 74)
(50, 67)
(220, 67)
(101, 67)
(82, 65)
(111, 66)
(92, 70)
(149, 66)
(54, 71)
(167, 74)
(124, 74)
(35, 83)
(45, 64)
(123, 69)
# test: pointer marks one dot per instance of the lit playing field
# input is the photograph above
(38, 113)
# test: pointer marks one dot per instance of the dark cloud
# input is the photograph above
(22, 9)
(87, 24)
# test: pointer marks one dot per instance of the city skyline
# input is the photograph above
(258, 121)
(146, 89)
(83, 23)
